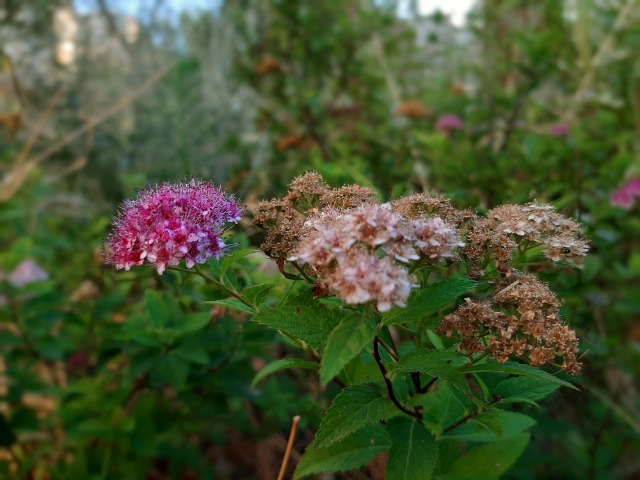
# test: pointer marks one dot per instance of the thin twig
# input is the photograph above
(198, 271)
(42, 121)
(376, 354)
(471, 416)
(15, 179)
(287, 453)
(603, 50)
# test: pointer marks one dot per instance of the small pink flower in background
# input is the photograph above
(175, 222)
(559, 130)
(25, 273)
(448, 124)
(625, 197)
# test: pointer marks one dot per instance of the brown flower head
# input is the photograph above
(520, 320)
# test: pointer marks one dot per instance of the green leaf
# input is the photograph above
(429, 301)
(174, 370)
(157, 309)
(351, 453)
(304, 298)
(524, 389)
(443, 407)
(313, 325)
(255, 295)
(345, 342)
(491, 426)
(515, 369)
(435, 340)
(192, 354)
(488, 462)
(232, 304)
(352, 409)
(232, 258)
(414, 452)
(435, 364)
(193, 323)
(283, 364)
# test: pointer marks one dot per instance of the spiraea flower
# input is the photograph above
(508, 228)
(626, 196)
(172, 223)
(354, 252)
(521, 319)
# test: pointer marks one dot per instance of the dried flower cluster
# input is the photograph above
(360, 249)
(352, 244)
(284, 218)
(521, 319)
(510, 228)
(175, 222)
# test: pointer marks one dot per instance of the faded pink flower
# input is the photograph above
(625, 197)
(435, 238)
(27, 272)
(448, 124)
(354, 252)
(374, 224)
(175, 222)
(362, 276)
(559, 130)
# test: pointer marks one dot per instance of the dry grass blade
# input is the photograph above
(21, 170)
(287, 453)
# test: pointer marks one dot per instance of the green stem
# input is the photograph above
(419, 333)
(209, 279)
(473, 361)
(302, 272)
(388, 349)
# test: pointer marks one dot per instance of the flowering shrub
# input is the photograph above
(421, 398)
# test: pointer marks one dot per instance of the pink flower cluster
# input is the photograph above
(626, 196)
(27, 272)
(448, 124)
(175, 222)
(559, 130)
(355, 251)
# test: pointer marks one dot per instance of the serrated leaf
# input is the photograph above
(313, 325)
(515, 369)
(351, 453)
(491, 426)
(304, 298)
(428, 301)
(283, 364)
(157, 309)
(523, 389)
(435, 364)
(192, 354)
(414, 452)
(345, 342)
(488, 462)
(255, 295)
(232, 304)
(352, 409)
